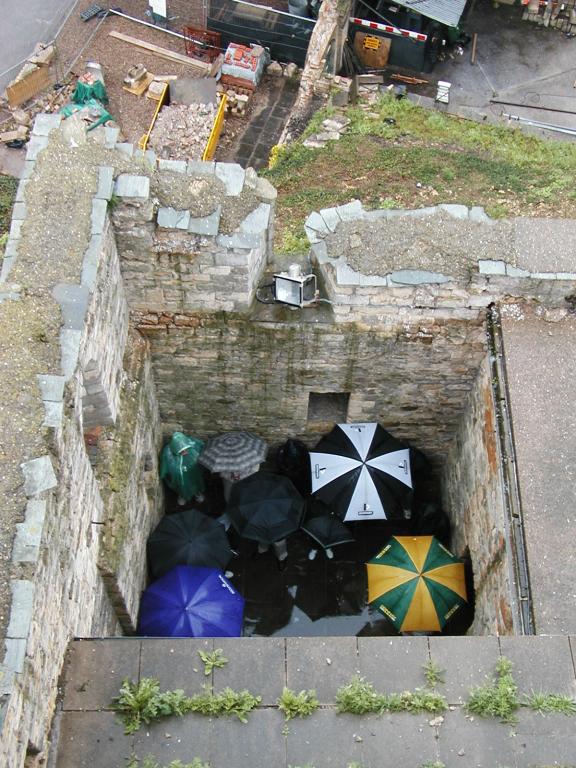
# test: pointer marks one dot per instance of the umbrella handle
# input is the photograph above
(318, 471)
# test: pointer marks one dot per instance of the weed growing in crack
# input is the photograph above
(294, 704)
(498, 698)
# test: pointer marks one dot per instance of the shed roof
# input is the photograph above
(445, 11)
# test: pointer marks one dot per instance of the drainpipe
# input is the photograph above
(522, 610)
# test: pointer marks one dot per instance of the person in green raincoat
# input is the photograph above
(179, 467)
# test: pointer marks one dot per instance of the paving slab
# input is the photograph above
(466, 742)
(396, 740)
(95, 670)
(325, 740)
(541, 371)
(321, 665)
(175, 738)
(256, 664)
(467, 662)
(259, 743)
(175, 663)
(393, 664)
(545, 740)
(92, 740)
(541, 664)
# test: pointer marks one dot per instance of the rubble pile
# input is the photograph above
(182, 130)
(562, 16)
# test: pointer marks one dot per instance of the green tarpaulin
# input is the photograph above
(84, 92)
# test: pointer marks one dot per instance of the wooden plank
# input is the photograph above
(141, 85)
(163, 53)
(20, 91)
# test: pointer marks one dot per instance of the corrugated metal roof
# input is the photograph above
(445, 11)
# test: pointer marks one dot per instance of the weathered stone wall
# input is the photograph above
(173, 261)
(231, 373)
(474, 499)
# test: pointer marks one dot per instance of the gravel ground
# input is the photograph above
(439, 243)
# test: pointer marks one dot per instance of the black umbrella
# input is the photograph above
(362, 473)
(187, 538)
(265, 507)
(327, 531)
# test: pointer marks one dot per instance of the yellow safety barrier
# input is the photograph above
(143, 143)
(212, 142)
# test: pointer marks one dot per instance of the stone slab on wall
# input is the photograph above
(474, 499)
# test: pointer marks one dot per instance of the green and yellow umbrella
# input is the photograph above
(416, 583)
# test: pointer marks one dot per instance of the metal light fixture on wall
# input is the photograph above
(294, 288)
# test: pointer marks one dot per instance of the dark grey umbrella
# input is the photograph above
(265, 507)
(327, 531)
(187, 538)
(233, 452)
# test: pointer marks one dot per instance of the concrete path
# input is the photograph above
(90, 734)
(517, 62)
(541, 366)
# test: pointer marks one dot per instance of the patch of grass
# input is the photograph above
(213, 660)
(422, 159)
(294, 704)
(359, 697)
(498, 698)
(143, 702)
(546, 703)
(433, 673)
(433, 764)
(8, 187)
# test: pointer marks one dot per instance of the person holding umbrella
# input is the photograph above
(179, 467)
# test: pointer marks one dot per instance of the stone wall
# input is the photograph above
(230, 373)
(474, 499)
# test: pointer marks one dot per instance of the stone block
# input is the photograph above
(477, 213)
(543, 275)
(45, 123)
(15, 654)
(105, 182)
(491, 267)
(265, 191)
(28, 169)
(132, 186)
(232, 259)
(566, 276)
(345, 275)
(15, 227)
(417, 277)
(125, 149)
(73, 301)
(35, 145)
(454, 210)
(512, 271)
(350, 211)
(169, 218)
(6, 683)
(257, 220)
(478, 742)
(232, 175)
(201, 168)
(7, 264)
(19, 211)
(38, 475)
(206, 225)
(21, 608)
(316, 223)
(91, 261)
(374, 280)
(21, 191)
(312, 235)
(320, 251)
(176, 166)
(70, 348)
(110, 136)
(98, 217)
(29, 533)
(331, 218)
(53, 414)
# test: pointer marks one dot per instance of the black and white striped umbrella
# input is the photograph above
(362, 472)
(233, 452)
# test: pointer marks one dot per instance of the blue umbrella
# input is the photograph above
(191, 602)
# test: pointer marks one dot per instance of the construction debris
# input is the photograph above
(163, 53)
(332, 130)
(561, 16)
(245, 62)
(182, 130)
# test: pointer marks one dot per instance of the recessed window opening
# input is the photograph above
(328, 406)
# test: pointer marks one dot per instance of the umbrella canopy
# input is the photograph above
(362, 473)
(233, 452)
(187, 538)
(191, 602)
(179, 465)
(327, 531)
(265, 507)
(417, 583)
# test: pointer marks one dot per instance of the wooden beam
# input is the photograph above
(163, 53)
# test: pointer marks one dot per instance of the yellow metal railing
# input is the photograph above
(143, 143)
(212, 142)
